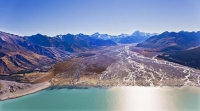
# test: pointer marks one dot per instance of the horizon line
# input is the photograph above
(95, 32)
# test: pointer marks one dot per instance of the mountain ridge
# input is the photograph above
(37, 52)
(172, 41)
(135, 37)
(179, 47)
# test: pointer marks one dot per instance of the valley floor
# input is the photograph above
(122, 65)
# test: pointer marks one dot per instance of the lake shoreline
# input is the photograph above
(23, 92)
(48, 85)
(121, 98)
(129, 67)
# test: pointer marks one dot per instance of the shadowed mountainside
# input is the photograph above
(190, 57)
(172, 41)
(25, 54)
(182, 47)
(69, 42)
(19, 55)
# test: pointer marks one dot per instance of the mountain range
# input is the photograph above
(136, 37)
(172, 41)
(25, 54)
(32, 63)
(21, 54)
(180, 47)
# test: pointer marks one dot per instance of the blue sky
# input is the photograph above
(53, 17)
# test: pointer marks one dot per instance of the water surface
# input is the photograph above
(112, 99)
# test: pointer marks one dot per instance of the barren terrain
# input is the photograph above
(122, 65)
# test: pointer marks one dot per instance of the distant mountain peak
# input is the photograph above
(124, 35)
(38, 35)
(80, 34)
(137, 31)
(97, 33)
(140, 33)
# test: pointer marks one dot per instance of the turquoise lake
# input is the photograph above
(108, 99)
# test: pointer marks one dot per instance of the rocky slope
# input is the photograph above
(16, 58)
(31, 53)
(189, 57)
(172, 41)
(45, 41)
